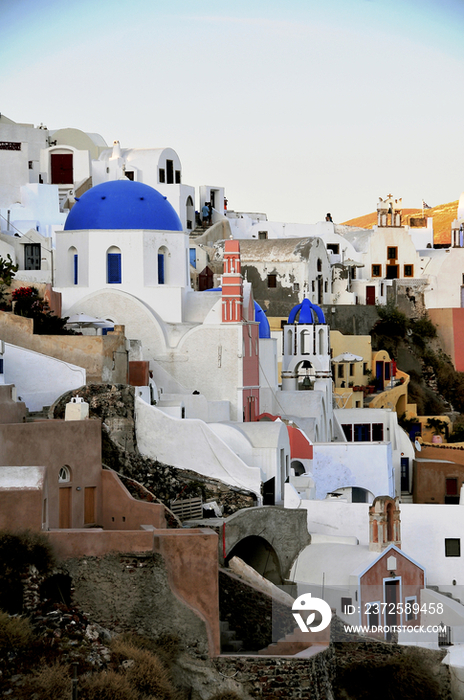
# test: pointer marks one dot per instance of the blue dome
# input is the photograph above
(122, 204)
(308, 313)
(260, 316)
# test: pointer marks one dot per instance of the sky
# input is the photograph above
(297, 109)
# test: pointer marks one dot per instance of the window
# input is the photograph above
(161, 268)
(334, 248)
(170, 172)
(313, 286)
(177, 177)
(272, 281)
(162, 175)
(340, 371)
(376, 270)
(130, 175)
(262, 235)
(453, 547)
(344, 604)
(32, 255)
(319, 265)
(362, 432)
(31, 165)
(64, 474)
(409, 270)
(365, 368)
(392, 253)
(452, 491)
(114, 268)
(377, 432)
(76, 268)
(373, 610)
(348, 430)
(193, 257)
(296, 286)
(409, 605)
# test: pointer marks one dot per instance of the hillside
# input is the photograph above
(443, 215)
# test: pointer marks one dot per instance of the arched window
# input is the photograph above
(305, 342)
(321, 349)
(190, 211)
(73, 265)
(163, 265)
(64, 474)
(289, 342)
(113, 266)
(390, 534)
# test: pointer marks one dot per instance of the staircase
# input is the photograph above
(298, 641)
(445, 593)
(199, 231)
(229, 643)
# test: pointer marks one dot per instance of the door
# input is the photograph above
(405, 474)
(89, 505)
(392, 589)
(370, 296)
(62, 168)
(65, 507)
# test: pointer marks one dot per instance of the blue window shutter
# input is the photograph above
(114, 268)
(160, 268)
(76, 267)
(193, 257)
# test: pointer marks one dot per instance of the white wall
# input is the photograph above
(366, 465)
(191, 444)
(39, 379)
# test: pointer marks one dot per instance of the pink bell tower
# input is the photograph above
(232, 284)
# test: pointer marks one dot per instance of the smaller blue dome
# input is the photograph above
(260, 316)
(122, 204)
(308, 313)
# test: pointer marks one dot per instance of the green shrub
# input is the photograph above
(15, 634)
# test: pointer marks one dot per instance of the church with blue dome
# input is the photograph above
(122, 204)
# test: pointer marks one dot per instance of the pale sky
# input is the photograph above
(300, 109)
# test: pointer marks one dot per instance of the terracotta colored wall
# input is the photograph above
(299, 446)
(372, 588)
(96, 543)
(429, 478)
(21, 509)
(120, 511)
(95, 353)
(54, 300)
(458, 328)
(53, 444)
(138, 373)
(192, 564)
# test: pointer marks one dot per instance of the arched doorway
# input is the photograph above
(260, 555)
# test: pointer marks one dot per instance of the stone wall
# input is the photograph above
(276, 677)
(250, 612)
(350, 319)
(131, 593)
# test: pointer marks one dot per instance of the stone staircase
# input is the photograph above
(297, 641)
(445, 593)
(199, 231)
(229, 643)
